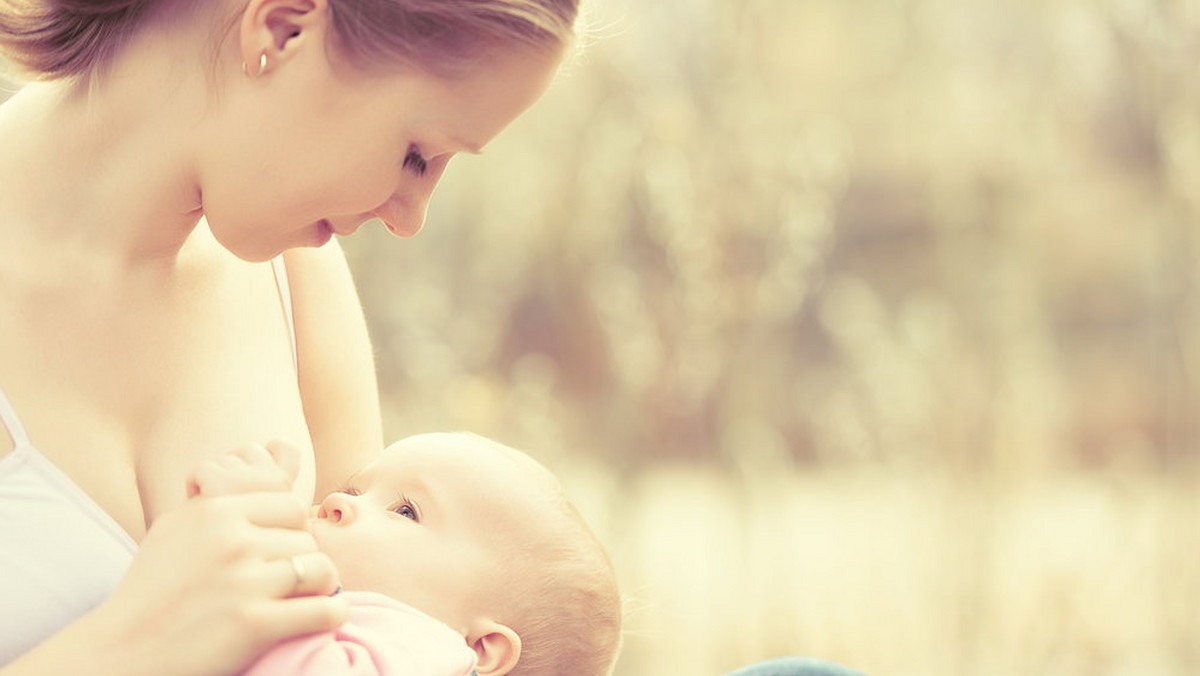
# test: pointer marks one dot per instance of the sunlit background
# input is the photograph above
(862, 329)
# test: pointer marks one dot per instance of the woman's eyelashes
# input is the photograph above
(415, 162)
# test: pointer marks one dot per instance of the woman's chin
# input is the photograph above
(257, 249)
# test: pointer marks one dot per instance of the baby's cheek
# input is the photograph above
(344, 551)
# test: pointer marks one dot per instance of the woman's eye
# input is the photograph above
(415, 162)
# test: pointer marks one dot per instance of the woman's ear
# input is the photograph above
(272, 30)
(497, 647)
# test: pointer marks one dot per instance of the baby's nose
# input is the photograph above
(336, 507)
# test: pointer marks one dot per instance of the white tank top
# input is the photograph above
(60, 554)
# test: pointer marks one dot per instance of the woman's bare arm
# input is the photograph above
(336, 364)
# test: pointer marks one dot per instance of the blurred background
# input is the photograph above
(863, 329)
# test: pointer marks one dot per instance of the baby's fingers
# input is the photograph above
(206, 476)
(254, 455)
(265, 510)
(286, 456)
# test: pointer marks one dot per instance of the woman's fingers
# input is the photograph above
(282, 539)
(305, 575)
(280, 543)
(279, 536)
(226, 577)
(282, 620)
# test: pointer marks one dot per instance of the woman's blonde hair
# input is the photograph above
(62, 38)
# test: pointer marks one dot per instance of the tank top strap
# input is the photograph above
(8, 416)
(285, 299)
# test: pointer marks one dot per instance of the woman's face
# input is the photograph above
(308, 150)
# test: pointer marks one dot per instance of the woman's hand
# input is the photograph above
(214, 584)
(221, 579)
(239, 571)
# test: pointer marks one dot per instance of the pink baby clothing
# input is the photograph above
(382, 637)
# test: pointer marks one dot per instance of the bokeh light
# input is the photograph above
(865, 330)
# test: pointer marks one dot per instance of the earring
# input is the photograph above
(262, 67)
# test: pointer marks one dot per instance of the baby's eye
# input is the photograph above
(350, 491)
(407, 510)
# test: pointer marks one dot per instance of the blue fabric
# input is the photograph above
(795, 666)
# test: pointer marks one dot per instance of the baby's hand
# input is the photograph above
(249, 469)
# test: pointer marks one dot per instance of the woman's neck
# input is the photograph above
(105, 168)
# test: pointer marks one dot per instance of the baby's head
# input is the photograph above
(481, 537)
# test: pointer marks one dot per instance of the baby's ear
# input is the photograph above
(497, 647)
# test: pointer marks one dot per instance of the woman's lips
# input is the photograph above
(344, 227)
(325, 232)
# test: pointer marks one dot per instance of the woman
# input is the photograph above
(164, 136)
(168, 290)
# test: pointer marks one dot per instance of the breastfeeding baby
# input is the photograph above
(457, 555)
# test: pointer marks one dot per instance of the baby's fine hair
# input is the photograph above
(571, 619)
(563, 592)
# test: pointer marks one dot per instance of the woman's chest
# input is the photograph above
(125, 390)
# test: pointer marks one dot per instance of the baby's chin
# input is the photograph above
(356, 572)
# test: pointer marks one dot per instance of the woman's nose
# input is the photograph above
(404, 212)
(337, 507)
(403, 215)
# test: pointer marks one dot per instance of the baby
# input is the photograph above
(497, 571)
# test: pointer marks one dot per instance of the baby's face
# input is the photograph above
(436, 522)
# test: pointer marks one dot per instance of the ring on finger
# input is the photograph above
(299, 570)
